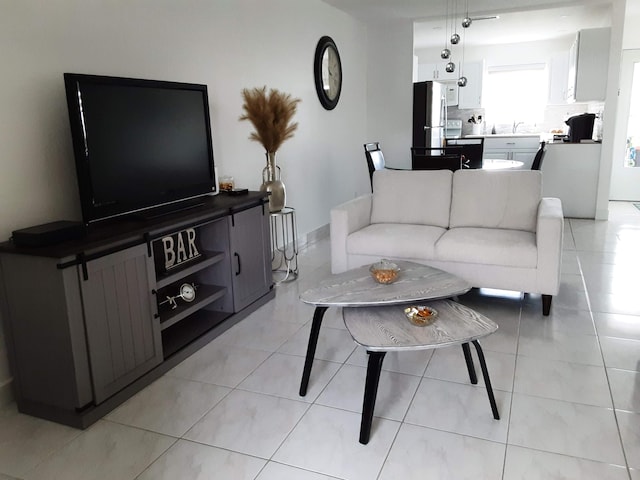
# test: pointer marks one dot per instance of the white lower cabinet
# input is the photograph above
(522, 149)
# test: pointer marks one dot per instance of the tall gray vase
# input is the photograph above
(271, 183)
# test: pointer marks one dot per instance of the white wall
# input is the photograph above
(226, 44)
(390, 90)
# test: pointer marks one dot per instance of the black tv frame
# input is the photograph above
(186, 198)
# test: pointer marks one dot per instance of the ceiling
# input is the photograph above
(520, 20)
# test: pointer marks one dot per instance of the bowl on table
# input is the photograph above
(420, 315)
(384, 271)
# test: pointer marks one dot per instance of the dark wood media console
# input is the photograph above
(91, 322)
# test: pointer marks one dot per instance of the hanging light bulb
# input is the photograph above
(455, 38)
(445, 53)
(462, 81)
(450, 67)
(466, 22)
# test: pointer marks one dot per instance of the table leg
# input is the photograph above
(487, 382)
(467, 357)
(311, 348)
(370, 392)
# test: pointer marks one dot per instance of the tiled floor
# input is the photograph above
(567, 387)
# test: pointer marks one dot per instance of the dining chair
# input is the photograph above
(472, 150)
(436, 158)
(375, 159)
(537, 160)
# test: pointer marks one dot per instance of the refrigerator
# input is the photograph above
(429, 114)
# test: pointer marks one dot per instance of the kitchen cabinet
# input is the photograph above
(588, 65)
(470, 96)
(558, 75)
(436, 71)
(508, 147)
(90, 322)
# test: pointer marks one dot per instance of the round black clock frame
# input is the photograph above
(327, 101)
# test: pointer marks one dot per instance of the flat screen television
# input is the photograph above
(139, 144)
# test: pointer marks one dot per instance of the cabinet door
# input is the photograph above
(122, 334)
(250, 255)
(470, 96)
(558, 78)
(498, 154)
(524, 156)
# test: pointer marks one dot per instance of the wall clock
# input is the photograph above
(327, 71)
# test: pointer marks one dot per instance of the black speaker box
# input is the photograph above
(48, 234)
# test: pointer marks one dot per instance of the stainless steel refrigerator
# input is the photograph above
(429, 114)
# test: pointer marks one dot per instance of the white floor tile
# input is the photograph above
(25, 441)
(326, 441)
(346, 391)
(630, 432)
(248, 423)
(410, 362)
(625, 389)
(449, 364)
(170, 405)
(278, 471)
(259, 332)
(525, 463)
(225, 365)
(280, 375)
(104, 451)
(561, 346)
(619, 326)
(562, 320)
(334, 345)
(202, 462)
(420, 453)
(457, 408)
(567, 428)
(621, 353)
(572, 382)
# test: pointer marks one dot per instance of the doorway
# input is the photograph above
(625, 169)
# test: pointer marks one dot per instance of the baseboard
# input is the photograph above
(314, 236)
(6, 393)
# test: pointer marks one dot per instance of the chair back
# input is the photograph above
(440, 158)
(375, 159)
(537, 160)
(472, 150)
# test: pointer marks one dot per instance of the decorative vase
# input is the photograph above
(272, 184)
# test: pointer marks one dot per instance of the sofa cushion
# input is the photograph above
(488, 246)
(496, 199)
(413, 197)
(395, 240)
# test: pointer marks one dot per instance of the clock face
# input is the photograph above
(187, 292)
(328, 73)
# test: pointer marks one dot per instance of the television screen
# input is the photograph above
(138, 144)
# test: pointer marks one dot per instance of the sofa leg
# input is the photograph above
(546, 305)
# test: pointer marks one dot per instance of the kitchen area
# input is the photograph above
(517, 96)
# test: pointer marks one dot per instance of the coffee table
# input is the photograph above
(386, 328)
(356, 288)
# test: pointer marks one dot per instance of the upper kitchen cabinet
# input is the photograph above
(588, 65)
(436, 71)
(470, 96)
(558, 74)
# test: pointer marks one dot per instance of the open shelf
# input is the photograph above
(183, 333)
(205, 294)
(210, 258)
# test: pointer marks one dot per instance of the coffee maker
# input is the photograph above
(580, 127)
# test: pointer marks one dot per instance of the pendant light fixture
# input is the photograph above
(466, 23)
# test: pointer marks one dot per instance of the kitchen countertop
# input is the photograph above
(506, 135)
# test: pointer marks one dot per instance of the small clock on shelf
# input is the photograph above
(327, 71)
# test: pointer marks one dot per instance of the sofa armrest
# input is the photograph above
(549, 233)
(345, 219)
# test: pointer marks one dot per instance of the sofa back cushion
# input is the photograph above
(496, 199)
(420, 197)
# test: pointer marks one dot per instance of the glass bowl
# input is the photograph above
(384, 271)
(420, 315)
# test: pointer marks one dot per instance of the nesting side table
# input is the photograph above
(284, 244)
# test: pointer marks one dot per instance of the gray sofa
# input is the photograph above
(492, 228)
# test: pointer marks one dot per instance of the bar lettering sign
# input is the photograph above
(176, 249)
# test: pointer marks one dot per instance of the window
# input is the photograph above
(516, 93)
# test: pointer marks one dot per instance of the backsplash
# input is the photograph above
(554, 117)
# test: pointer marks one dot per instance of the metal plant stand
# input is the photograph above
(284, 244)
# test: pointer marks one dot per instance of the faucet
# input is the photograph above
(515, 126)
